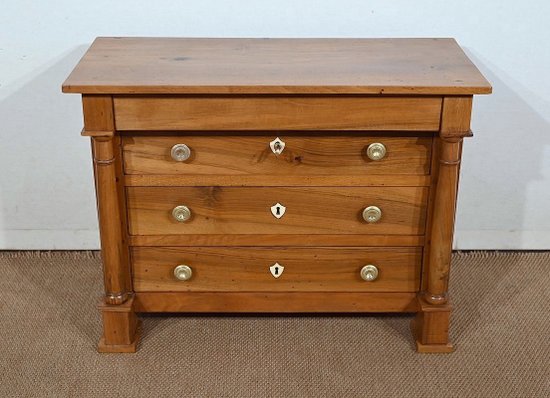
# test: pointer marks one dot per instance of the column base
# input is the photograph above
(430, 328)
(121, 328)
(430, 348)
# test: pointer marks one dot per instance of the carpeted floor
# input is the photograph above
(49, 328)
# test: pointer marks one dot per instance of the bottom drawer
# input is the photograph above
(245, 269)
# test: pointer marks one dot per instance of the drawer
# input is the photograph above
(302, 155)
(300, 210)
(299, 269)
(276, 113)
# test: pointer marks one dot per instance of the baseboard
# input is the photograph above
(64, 239)
(501, 240)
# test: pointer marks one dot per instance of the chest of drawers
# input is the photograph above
(276, 175)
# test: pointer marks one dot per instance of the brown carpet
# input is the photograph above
(49, 328)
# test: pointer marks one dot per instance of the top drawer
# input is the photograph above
(300, 155)
(277, 113)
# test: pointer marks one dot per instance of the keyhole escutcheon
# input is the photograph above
(278, 210)
(276, 270)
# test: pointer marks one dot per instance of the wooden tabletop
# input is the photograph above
(275, 66)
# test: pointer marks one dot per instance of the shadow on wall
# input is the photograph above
(505, 178)
(46, 183)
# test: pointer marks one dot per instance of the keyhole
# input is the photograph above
(276, 270)
(278, 211)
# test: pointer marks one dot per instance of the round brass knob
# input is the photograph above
(183, 272)
(376, 151)
(372, 214)
(180, 152)
(369, 273)
(181, 213)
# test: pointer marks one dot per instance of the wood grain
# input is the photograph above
(444, 205)
(98, 114)
(120, 327)
(328, 99)
(275, 240)
(276, 302)
(455, 117)
(275, 66)
(429, 213)
(247, 269)
(303, 155)
(430, 328)
(276, 113)
(110, 204)
(200, 180)
(232, 210)
(431, 325)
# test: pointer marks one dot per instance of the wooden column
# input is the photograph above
(119, 319)
(431, 325)
(114, 252)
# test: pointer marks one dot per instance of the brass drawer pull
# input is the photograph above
(376, 151)
(180, 152)
(372, 214)
(181, 213)
(369, 273)
(183, 272)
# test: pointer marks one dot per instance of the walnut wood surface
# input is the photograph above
(431, 325)
(247, 269)
(429, 216)
(98, 112)
(276, 302)
(281, 66)
(275, 240)
(232, 210)
(277, 113)
(455, 124)
(218, 155)
(430, 328)
(226, 99)
(120, 327)
(200, 180)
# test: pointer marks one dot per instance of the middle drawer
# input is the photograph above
(276, 210)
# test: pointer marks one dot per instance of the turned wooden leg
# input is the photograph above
(120, 327)
(431, 325)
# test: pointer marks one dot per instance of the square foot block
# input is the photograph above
(422, 348)
(102, 347)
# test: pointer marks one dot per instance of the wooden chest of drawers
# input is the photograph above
(280, 175)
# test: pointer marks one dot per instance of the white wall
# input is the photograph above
(46, 188)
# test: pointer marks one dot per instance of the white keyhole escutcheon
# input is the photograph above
(277, 146)
(276, 270)
(278, 210)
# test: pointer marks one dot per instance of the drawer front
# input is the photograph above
(303, 210)
(277, 113)
(346, 155)
(248, 269)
